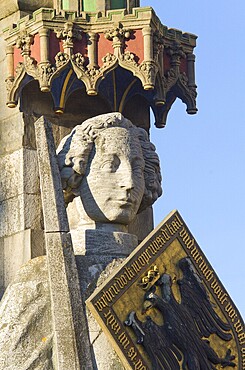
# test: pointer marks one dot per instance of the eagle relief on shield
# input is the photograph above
(165, 308)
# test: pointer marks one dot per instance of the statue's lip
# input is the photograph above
(125, 202)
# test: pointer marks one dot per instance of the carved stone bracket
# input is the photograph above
(13, 84)
(91, 76)
(146, 71)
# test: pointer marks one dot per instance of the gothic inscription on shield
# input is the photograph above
(165, 308)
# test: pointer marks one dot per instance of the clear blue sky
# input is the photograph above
(203, 156)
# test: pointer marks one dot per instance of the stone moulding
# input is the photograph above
(94, 44)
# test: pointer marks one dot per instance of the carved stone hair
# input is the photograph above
(75, 148)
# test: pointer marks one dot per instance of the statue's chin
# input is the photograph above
(121, 216)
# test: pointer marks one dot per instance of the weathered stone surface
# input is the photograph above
(102, 346)
(90, 270)
(26, 330)
(31, 183)
(103, 243)
(20, 213)
(89, 238)
(71, 342)
(1, 267)
(17, 245)
(25, 327)
(32, 211)
(92, 273)
(17, 249)
(142, 225)
(11, 128)
(11, 220)
(37, 243)
(11, 181)
(55, 218)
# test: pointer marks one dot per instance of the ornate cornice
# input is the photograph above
(165, 65)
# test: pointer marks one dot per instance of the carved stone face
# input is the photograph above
(113, 186)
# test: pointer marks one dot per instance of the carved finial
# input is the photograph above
(176, 52)
(118, 35)
(24, 42)
(67, 34)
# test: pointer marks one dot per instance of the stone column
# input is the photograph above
(92, 50)
(10, 71)
(44, 45)
(10, 61)
(44, 64)
(191, 69)
(148, 43)
(58, 5)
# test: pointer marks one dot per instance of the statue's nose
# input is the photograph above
(126, 180)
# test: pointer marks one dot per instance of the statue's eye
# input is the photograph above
(110, 164)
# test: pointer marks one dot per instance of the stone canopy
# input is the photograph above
(117, 54)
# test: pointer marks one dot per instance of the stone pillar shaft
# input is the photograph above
(148, 43)
(191, 69)
(44, 44)
(10, 61)
(92, 49)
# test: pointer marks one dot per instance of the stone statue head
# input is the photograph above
(112, 166)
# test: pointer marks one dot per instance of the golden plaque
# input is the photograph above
(165, 308)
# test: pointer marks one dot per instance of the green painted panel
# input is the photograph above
(89, 5)
(118, 4)
(65, 4)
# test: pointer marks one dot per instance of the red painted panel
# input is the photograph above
(81, 46)
(166, 62)
(183, 66)
(136, 45)
(35, 48)
(104, 47)
(17, 57)
(167, 65)
(55, 46)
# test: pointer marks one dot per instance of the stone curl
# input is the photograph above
(74, 151)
